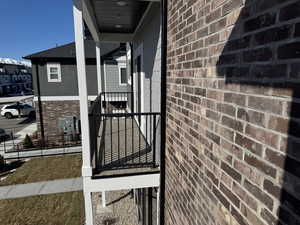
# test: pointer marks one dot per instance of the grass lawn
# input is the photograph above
(45, 169)
(54, 209)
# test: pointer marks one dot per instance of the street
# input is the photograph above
(15, 125)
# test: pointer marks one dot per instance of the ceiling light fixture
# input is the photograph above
(121, 3)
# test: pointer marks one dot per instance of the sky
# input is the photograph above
(30, 26)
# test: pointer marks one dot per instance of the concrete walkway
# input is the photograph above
(41, 188)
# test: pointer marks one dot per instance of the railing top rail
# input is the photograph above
(127, 114)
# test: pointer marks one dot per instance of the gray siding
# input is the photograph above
(69, 84)
(149, 36)
(112, 78)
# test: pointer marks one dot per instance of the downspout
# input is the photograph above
(164, 18)
(40, 103)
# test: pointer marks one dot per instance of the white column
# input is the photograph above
(82, 87)
(88, 208)
(98, 59)
(158, 206)
(103, 199)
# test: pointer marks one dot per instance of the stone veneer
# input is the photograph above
(233, 112)
(53, 110)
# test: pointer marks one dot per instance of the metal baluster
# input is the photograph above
(104, 140)
(111, 149)
(125, 136)
(154, 140)
(132, 138)
(146, 138)
(139, 133)
(118, 139)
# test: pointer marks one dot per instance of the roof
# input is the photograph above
(69, 51)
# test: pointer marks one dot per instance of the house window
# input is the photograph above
(54, 72)
(123, 75)
(1, 70)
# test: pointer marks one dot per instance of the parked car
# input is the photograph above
(9, 111)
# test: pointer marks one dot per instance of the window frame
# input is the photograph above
(129, 72)
(54, 65)
(120, 67)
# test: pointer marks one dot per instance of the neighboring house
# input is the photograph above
(56, 83)
(15, 79)
(225, 75)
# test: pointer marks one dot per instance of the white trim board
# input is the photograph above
(58, 67)
(122, 66)
(63, 98)
(98, 64)
(121, 183)
(104, 70)
(139, 52)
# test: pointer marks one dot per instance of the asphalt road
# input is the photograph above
(15, 124)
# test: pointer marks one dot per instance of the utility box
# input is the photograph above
(69, 126)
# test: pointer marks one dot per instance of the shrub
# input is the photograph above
(27, 143)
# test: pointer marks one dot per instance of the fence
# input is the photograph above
(10, 144)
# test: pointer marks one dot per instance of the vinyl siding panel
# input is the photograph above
(112, 78)
(149, 37)
(69, 83)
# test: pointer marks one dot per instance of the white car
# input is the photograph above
(9, 111)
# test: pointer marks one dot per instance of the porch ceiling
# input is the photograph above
(114, 20)
(118, 16)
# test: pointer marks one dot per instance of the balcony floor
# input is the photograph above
(122, 149)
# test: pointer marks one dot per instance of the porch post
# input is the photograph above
(99, 72)
(103, 199)
(82, 88)
(83, 102)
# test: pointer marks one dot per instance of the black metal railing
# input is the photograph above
(95, 123)
(120, 139)
(127, 140)
(106, 102)
(12, 144)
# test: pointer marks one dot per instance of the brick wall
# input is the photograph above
(53, 111)
(233, 112)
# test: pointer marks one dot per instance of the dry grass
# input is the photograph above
(55, 209)
(45, 169)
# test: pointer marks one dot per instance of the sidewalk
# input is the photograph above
(41, 188)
